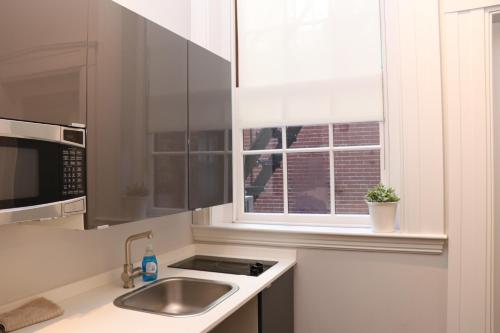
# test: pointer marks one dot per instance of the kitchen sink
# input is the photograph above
(177, 296)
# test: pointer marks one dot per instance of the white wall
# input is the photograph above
(468, 170)
(496, 153)
(36, 259)
(360, 292)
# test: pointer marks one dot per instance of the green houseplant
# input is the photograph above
(382, 204)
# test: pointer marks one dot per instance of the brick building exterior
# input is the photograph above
(355, 171)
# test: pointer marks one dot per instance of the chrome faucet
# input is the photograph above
(129, 272)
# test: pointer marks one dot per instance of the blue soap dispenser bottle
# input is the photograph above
(149, 265)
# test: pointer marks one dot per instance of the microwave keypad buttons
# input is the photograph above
(73, 170)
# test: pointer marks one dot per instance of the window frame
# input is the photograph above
(391, 151)
(332, 219)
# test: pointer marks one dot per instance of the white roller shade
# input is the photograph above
(309, 62)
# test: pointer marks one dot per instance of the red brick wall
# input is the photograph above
(355, 173)
(309, 183)
(309, 173)
(311, 136)
(356, 134)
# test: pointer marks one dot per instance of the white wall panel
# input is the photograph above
(199, 22)
(414, 112)
(453, 157)
(495, 63)
(467, 182)
(219, 25)
(210, 25)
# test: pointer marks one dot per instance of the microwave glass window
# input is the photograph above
(19, 172)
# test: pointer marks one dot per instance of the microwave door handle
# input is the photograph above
(28, 130)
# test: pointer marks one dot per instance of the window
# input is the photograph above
(316, 64)
(318, 172)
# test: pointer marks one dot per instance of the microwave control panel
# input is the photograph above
(73, 172)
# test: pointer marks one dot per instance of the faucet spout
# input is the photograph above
(128, 244)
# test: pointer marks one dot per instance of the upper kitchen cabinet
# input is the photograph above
(137, 117)
(42, 60)
(210, 164)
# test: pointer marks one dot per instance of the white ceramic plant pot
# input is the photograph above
(383, 215)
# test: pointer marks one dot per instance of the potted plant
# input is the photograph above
(382, 204)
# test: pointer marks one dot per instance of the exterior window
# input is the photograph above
(322, 171)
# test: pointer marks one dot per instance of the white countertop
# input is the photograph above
(88, 304)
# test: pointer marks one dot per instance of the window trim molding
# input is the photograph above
(331, 238)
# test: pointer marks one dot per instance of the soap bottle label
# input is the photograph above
(151, 267)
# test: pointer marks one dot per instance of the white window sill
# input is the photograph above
(340, 238)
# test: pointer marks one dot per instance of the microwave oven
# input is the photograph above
(42, 171)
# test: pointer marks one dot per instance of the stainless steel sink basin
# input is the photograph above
(178, 297)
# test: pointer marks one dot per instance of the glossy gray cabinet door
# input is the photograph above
(137, 118)
(210, 172)
(42, 60)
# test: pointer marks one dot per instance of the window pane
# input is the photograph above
(307, 136)
(264, 183)
(170, 141)
(262, 138)
(309, 183)
(356, 134)
(355, 173)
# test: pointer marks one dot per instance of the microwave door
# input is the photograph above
(29, 178)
